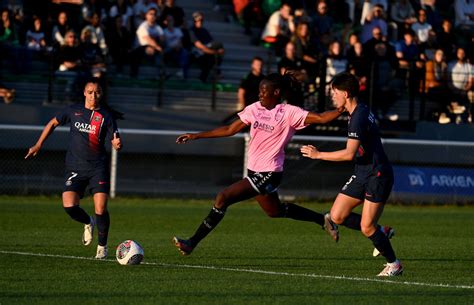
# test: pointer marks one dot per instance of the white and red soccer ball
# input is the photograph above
(129, 252)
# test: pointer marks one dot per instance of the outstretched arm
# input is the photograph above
(48, 129)
(224, 131)
(347, 154)
(322, 118)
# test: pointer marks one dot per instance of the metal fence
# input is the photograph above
(151, 164)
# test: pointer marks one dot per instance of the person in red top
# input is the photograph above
(90, 124)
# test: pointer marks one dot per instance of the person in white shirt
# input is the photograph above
(279, 28)
(149, 42)
(421, 27)
(174, 50)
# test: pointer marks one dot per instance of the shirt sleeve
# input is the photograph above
(63, 116)
(297, 117)
(246, 115)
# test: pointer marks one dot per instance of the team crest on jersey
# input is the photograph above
(97, 118)
(279, 114)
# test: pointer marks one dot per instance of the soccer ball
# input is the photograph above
(129, 252)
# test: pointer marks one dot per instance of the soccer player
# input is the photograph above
(372, 180)
(272, 125)
(86, 160)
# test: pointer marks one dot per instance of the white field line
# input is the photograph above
(308, 275)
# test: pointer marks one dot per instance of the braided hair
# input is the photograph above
(290, 86)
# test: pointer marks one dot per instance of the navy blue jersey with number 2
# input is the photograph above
(89, 130)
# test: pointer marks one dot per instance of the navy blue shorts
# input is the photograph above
(375, 185)
(98, 180)
(264, 182)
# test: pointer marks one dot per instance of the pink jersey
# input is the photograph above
(270, 131)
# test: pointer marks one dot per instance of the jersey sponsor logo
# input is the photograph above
(262, 115)
(84, 127)
(353, 135)
(262, 126)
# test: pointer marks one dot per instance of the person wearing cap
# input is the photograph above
(206, 51)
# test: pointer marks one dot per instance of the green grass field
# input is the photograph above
(248, 259)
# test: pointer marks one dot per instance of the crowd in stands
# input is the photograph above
(85, 38)
(424, 47)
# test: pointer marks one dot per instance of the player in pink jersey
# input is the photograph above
(272, 125)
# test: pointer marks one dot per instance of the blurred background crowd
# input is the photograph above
(423, 47)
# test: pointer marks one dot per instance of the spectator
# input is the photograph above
(35, 37)
(305, 50)
(70, 65)
(358, 65)
(8, 30)
(119, 39)
(174, 50)
(403, 14)
(464, 11)
(124, 9)
(289, 61)
(279, 28)
(368, 7)
(60, 29)
(374, 19)
(436, 85)
(447, 40)
(248, 92)
(335, 62)
(421, 28)
(92, 59)
(206, 51)
(175, 11)
(321, 25)
(90, 8)
(460, 81)
(140, 9)
(97, 33)
(382, 83)
(149, 42)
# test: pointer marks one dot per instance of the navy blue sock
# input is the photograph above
(78, 214)
(208, 224)
(382, 243)
(353, 221)
(297, 212)
(103, 224)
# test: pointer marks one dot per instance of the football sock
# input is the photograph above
(382, 243)
(78, 214)
(208, 224)
(103, 224)
(353, 221)
(297, 212)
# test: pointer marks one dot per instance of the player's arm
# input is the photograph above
(48, 129)
(324, 117)
(224, 131)
(347, 154)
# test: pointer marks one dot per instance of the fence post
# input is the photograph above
(113, 173)
(214, 82)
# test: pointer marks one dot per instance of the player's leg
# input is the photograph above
(100, 186)
(371, 213)
(239, 191)
(74, 187)
(102, 219)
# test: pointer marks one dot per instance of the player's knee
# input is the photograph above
(337, 219)
(367, 230)
(221, 201)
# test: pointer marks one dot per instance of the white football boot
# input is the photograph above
(102, 252)
(392, 269)
(88, 232)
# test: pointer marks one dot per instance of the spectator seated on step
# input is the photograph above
(205, 51)
(279, 28)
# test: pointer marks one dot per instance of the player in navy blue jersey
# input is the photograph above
(90, 124)
(372, 180)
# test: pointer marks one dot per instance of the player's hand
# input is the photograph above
(309, 151)
(33, 151)
(116, 142)
(185, 138)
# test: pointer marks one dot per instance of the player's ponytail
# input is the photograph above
(289, 85)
